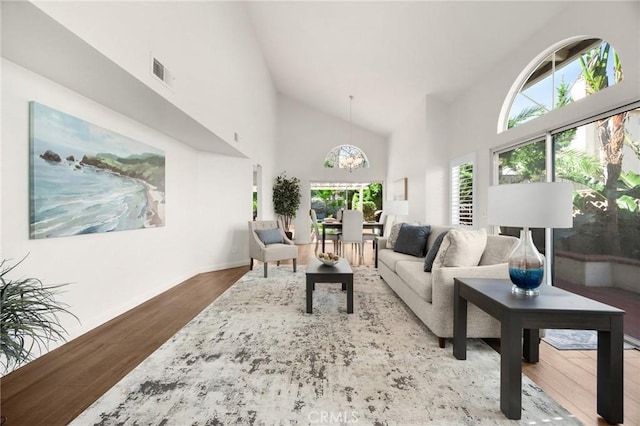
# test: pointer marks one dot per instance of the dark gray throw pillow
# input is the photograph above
(270, 236)
(412, 239)
(433, 251)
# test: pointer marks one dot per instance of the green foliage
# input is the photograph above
(147, 167)
(527, 162)
(286, 198)
(28, 317)
(594, 68)
(369, 210)
(525, 115)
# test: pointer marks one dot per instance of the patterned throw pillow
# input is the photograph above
(393, 235)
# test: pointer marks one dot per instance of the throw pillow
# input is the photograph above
(412, 239)
(270, 236)
(433, 251)
(393, 235)
(465, 247)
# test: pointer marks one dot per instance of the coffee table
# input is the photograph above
(318, 272)
(521, 317)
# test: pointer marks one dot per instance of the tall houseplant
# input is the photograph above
(286, 198)
(28, 317)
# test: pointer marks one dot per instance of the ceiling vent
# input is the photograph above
(161, 72)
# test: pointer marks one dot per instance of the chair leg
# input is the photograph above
(265, 269)
(277, 263)
(295, 265)
(441, 342)
(251, 265)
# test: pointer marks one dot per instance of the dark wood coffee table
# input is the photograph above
(318, 272)
(523, 316)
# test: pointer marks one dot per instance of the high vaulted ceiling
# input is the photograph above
(388, 55)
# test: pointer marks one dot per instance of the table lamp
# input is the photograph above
(394, 208)
(529, 205)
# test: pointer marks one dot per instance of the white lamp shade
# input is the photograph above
(532, 205)
(396, 207)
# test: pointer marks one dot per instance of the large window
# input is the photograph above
(525, 163)
(599, 255)
(602, 159)
(567, 74)
(462, 190)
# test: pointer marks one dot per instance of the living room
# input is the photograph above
(225, 114)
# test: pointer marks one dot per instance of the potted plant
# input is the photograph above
(28, 317)
(286, 199)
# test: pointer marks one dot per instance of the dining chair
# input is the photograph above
(375, 233)
(352, 231)
(328, 236)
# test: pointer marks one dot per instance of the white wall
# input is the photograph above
(224, 206)
(221, 80)
(109, 272)
(305, 137)
(418, 151)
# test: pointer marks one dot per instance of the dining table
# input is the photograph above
(336, 224)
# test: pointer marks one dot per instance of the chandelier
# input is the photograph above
(348, 157)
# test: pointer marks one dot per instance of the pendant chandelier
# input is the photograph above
(348, 156)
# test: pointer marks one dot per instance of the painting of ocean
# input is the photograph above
(86, 179)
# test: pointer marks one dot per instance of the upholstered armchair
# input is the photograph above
(268, 243)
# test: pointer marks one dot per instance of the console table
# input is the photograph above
(521, 317)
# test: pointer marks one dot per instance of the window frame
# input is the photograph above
(522, 79)
(454, 186)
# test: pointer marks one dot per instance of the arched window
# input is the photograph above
(347, 157)
(569, 73)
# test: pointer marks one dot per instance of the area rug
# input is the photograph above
(254, 357)
(574, 340)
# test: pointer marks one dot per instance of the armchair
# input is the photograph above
(268, 243)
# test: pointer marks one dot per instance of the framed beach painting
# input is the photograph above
(85, 179)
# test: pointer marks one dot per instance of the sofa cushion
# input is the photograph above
(393, 235)
(433, 251)
(270, 236)
(390, 258)
(498, 249)
(465, 247)
(412, 239)
(413, 275)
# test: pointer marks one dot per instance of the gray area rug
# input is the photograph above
(574, 340)
(255, 357)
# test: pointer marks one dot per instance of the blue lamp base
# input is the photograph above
(526, 266)
(526, 281)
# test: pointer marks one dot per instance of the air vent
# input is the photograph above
(159, 70)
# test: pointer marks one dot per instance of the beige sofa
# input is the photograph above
(430, 294)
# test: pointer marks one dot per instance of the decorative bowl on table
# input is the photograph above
(328, 259)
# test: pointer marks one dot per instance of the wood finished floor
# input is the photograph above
(57, 387)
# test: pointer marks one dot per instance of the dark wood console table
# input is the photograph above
(523, 316)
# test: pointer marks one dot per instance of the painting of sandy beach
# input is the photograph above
(86, 179)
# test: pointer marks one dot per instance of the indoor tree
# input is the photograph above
(286, 198)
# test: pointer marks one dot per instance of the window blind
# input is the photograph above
(462, 194)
